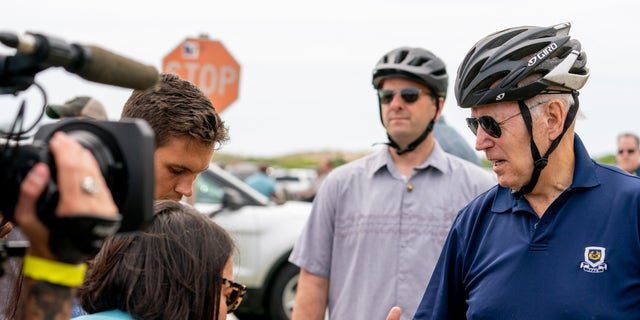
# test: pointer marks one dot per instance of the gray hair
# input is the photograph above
(565, 98)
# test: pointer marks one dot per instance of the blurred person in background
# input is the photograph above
(378, 223)
(263, 183)
(81, 107)
(324, 167)
(628, 156)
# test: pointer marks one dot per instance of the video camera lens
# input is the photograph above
(124, 152)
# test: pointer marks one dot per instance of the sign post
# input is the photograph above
(207, 64)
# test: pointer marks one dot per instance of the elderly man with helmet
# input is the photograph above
(378, 223)
(559, 237)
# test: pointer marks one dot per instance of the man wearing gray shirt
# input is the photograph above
(378, 224)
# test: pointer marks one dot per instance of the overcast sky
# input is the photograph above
(305, 82)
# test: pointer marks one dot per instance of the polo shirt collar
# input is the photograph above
(584, 176)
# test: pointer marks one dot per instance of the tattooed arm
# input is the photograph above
(41, 300)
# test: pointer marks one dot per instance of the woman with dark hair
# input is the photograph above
(180, 267)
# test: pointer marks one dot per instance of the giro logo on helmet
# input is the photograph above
(542, 53)
(500, 97)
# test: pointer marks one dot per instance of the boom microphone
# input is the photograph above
(89, 62)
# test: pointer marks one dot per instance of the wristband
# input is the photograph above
(54, 272)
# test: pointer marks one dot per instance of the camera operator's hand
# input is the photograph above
(74, 164)
(5, 228)
(48, 288)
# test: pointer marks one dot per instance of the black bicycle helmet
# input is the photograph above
(493, 69)
(416, 64)
(517, 64)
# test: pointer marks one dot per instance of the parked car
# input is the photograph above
(265, 233)
(290, 182)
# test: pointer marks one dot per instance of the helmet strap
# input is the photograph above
(539, 162)
(413, 145)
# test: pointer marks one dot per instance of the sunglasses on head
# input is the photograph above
(490, 125)
(629, 151)
(409, 95)
(237, 293)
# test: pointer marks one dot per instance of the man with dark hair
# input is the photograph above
(187, 130)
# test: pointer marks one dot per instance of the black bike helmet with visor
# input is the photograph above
(415, 64)
(517, 64)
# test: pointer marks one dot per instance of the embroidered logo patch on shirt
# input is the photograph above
(593, 260)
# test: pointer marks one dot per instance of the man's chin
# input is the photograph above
(508, 184)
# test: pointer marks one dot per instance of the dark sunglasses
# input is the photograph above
(237, 293)
(629, 151)
(490, 125)
(409, 95)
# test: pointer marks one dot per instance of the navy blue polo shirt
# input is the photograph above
(581, 260)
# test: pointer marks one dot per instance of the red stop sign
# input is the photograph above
(207, 64)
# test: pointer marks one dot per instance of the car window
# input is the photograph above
(208, 190)
(287, 178)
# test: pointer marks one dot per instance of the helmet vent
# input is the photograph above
(401, 56)
(418, 61)
(466, 58)
(473, 72)
(440, 72)
(486, 84)
(499, 41)
(563, 52)
(525, 53)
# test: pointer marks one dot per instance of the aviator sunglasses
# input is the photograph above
(409, 95)
(629, 151)
(236, 296)
(490, 125)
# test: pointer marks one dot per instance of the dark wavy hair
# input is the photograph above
(177, 108)
(171, 270)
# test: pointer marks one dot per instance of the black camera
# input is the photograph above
(124, 150)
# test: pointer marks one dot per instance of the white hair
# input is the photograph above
(565, 98)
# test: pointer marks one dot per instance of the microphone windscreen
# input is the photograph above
(109, 68)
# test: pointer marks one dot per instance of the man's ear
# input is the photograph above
(555, 115)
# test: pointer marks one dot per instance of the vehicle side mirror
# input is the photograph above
(231, 199)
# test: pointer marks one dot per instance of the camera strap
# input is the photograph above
(78, 238)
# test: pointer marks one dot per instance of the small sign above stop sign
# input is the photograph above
(207, 64)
